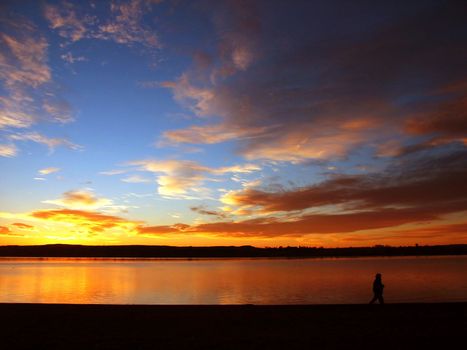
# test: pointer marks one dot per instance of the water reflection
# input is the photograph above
(231, 281)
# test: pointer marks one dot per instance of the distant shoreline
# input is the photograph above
(144, 251)
(390, 326)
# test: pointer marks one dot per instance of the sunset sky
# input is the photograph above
(312, 123)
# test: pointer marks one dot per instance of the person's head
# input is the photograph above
(378, 276)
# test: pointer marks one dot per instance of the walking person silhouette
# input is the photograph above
(378, 287)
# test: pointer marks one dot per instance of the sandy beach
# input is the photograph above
(65, 326)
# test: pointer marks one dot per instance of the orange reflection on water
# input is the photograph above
(231, 281)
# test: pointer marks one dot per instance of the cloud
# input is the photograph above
(58, 109)
(414, 183)
(211, 134)
(30, 94)
(310, 224)
(183, 178)
(22, 226)
(238, 25)
(92, 222)
(51, 143)
(445, 123)
(113, 172)
(199, 99)
(149, 84)
(136, 179)
(24, 60)
(124, 24)
(8, 150)
(68, 57)
(315, 95)
(302, 226)
(203, 211)
(23, 67)
(237, 169)
(47, 171)
(178, 177)
(160, 230)
(5, 230)
(80, 199)
(14, 112)
(65, 20)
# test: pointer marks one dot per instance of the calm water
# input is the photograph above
(231, 281)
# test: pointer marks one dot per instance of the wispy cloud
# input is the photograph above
(113, 172)
(80, 199)
(47, 171)
(68, 57)
(51, 143)
(204, 211)
(211, 134)
(25, 60)
(136, 179)
(124, 24)
(23, 226)
(63, 17)
(30, 94)
(8, 150)
(57, 109)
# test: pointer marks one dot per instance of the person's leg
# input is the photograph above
(374, 299)
(381, 299)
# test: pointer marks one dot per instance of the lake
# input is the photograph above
(231, 281)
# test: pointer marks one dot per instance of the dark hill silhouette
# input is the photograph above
(145, 251)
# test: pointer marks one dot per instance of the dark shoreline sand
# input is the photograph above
(391, 326)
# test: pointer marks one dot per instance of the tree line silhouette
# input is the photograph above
(144, 251)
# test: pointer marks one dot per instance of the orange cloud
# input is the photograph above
(93, 222)
(64, 19)
(4, 230)
(300, 226)
(429, 181)
(446, 123)
(126, 25)
(185, 92)
(159, 230)
(80, 199)
(23, 226)
(28, 60)
(210, 134)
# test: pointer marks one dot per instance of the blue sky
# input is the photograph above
(233, 122)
